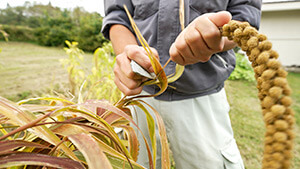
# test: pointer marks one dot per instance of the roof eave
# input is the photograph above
(280, 6)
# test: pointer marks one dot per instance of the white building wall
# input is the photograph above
(283, 30)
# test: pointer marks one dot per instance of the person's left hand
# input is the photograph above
(200, 39)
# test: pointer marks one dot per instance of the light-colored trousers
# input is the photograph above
(199, 132)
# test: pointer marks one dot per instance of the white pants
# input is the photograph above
(199, 133)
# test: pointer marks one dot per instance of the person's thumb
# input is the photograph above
(220, 18)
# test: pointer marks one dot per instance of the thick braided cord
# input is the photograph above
(274, 93)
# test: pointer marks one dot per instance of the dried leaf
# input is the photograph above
(19, 159)
(158, 70)
(133, 141)
(94, 156)
(27, 119)
(8, 145)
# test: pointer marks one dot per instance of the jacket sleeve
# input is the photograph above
(246, 10)
(115, 14)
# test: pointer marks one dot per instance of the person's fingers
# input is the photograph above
(155, 52)
(220, 18)
(197, 45)
(123, 64)
(124, 89)
(210, 34)
(138, 54)
(125, 79)
(175, 55)
(208, 27)
(184, 49)
(128, 82)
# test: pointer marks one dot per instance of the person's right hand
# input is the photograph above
(125, 79)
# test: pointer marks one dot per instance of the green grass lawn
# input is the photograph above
(29, 70)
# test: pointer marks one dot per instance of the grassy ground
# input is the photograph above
(247, 120)
(28, 70)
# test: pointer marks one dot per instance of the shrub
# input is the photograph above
(19, 33)
(51, 26)
(95, 82)
(243, 69)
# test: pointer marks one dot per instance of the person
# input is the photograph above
(195, 108)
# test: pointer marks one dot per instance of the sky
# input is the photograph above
(88, 5)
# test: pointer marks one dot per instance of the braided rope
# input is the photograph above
(273, 92)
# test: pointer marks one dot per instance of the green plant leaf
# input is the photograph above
(151, 128)
(178, 72)
(165, 154)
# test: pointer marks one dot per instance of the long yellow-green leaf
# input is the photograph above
(69, 129)
(151, 128)
(161, 79)
(66, 130)
(118, 163)
(118, 111)
(39, 108)
(165, 155)
(181, 14)
(22, 118)
(158, 70)
(179, 69)
(66, 102)
(93, 118)
(133, 141)
(178, 72)
(112, 155)
(94, 156)
(96, 119)
(20, 159)
(4, 132)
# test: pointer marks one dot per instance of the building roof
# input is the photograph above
(280, 5)
(278, 1)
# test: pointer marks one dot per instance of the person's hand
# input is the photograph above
(200, 39)
(125, 79)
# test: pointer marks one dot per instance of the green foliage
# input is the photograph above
(51, 26)
(243, 69)
(100, 82)
(95, 82)
(73, 65)
(52, 36)
(19, 33)
(3, 33)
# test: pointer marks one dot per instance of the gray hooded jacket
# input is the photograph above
(159, 23)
